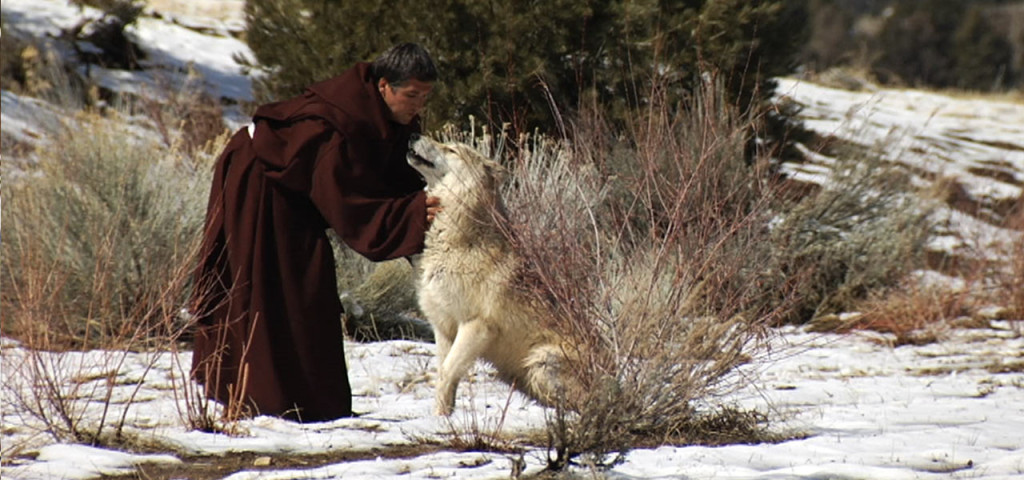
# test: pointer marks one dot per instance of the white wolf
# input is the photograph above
(468, 281)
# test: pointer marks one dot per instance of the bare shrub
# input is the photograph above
(73, 396)
(645, 243)
(187, 117)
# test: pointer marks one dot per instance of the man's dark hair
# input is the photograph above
(402, 62)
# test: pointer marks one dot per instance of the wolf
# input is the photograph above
(469, 281)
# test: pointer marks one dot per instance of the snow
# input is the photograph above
(955, 137)
(83, 462)
(854, 406)
(26, 119)
(173, 52)
(977, 142)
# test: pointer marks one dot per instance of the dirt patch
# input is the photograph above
(1004, 366)
(220, 466)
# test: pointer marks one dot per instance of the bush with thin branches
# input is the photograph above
(645, 244)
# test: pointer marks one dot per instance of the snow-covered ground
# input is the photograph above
(859, 408)
(855, 406)
(177, 40)
(976, 143)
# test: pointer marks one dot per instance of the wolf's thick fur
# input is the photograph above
(467, 281)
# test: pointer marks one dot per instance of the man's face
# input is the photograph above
(405, 102)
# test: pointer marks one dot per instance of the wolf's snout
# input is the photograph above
(419, 160)
(414, 155)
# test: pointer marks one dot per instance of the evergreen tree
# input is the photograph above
(530, 63)
(298, 42)
(981, 57)
(916, 42)
(830, 41)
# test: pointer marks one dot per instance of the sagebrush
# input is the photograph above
(100, 235)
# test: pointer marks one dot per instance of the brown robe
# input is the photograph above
(266, 292)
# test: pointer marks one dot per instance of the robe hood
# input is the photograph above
(354, 93)
(350, 102)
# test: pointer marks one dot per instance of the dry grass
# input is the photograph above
(472, 431)
(1011, 283)
(986, 287)
(1015, 96)
(225, 10)
(914, 315)
(847, 78)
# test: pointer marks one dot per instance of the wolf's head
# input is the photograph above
(453, 166)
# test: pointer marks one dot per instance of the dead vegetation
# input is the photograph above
(646, 247)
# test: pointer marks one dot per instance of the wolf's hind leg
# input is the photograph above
(471, 340)
(544, 375)
(443, 344)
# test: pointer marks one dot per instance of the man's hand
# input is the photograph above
(433, 208)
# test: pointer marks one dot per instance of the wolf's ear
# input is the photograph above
(497, 172)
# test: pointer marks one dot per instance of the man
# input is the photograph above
(269, 338)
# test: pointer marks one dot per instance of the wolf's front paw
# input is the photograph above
(443, 408)
(443, 404)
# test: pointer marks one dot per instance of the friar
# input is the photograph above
(269, 338)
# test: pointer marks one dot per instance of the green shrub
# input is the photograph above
(983, 59)
(863, 232)
(531, 65)
(944, 44)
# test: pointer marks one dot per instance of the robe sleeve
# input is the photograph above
(359, 202)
